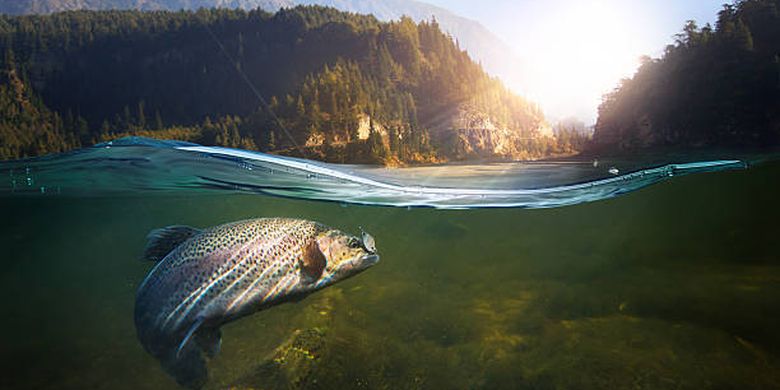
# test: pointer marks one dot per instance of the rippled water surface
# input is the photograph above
(143, 166)
(676, 285)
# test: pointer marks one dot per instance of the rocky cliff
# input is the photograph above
(471, 134)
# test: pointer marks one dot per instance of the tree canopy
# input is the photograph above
(714, 86)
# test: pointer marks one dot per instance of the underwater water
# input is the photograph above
(674, 285)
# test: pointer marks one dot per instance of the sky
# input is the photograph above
(574, 51)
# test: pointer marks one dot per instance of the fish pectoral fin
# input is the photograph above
(312, 261)
(209, 340)
(160, 242)
(187, 336)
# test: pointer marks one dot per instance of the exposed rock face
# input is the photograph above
(315, 139)
(483, 142)
(364, 128)
(545, 130)
(472, 134)
(465, 134)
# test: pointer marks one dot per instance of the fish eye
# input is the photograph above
(354, 243)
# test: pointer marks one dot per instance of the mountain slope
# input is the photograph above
(344, 86)
(495, 56)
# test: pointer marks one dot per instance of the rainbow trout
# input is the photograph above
(206, 278)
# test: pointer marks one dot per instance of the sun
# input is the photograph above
(582, 52)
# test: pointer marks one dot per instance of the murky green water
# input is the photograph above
(676, 286)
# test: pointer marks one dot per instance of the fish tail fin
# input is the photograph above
(187, 366)
(160, 242)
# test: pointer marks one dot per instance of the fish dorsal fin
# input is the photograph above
(313, 261)
(160, 242)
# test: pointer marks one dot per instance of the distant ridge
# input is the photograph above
(24, 7)
(483, 46)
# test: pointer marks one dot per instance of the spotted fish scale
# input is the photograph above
(205, 278)
(234, 250)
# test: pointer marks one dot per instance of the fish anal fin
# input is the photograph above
(313, 261)
(160, 242)
(209, 340)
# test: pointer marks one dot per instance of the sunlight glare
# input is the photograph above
(582, 52)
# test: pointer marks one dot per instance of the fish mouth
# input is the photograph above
(369, 260)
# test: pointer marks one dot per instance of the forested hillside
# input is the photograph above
(484, 47)
(308, 81)
(714, 87)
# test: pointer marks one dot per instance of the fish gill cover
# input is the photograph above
(136, 165)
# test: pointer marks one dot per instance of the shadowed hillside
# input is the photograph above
(714, 87)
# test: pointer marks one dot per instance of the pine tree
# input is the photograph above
(158, 122)
(141, 115)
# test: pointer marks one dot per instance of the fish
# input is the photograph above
(205, 278)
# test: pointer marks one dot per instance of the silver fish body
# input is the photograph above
(207, 278)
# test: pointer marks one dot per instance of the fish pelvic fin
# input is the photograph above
(160, 242)
(187, 336)
(186, 363)
(187, 366)
(209, 340)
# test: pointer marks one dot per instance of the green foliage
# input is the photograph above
(713, 87)
(27, 127)
(323, 73)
